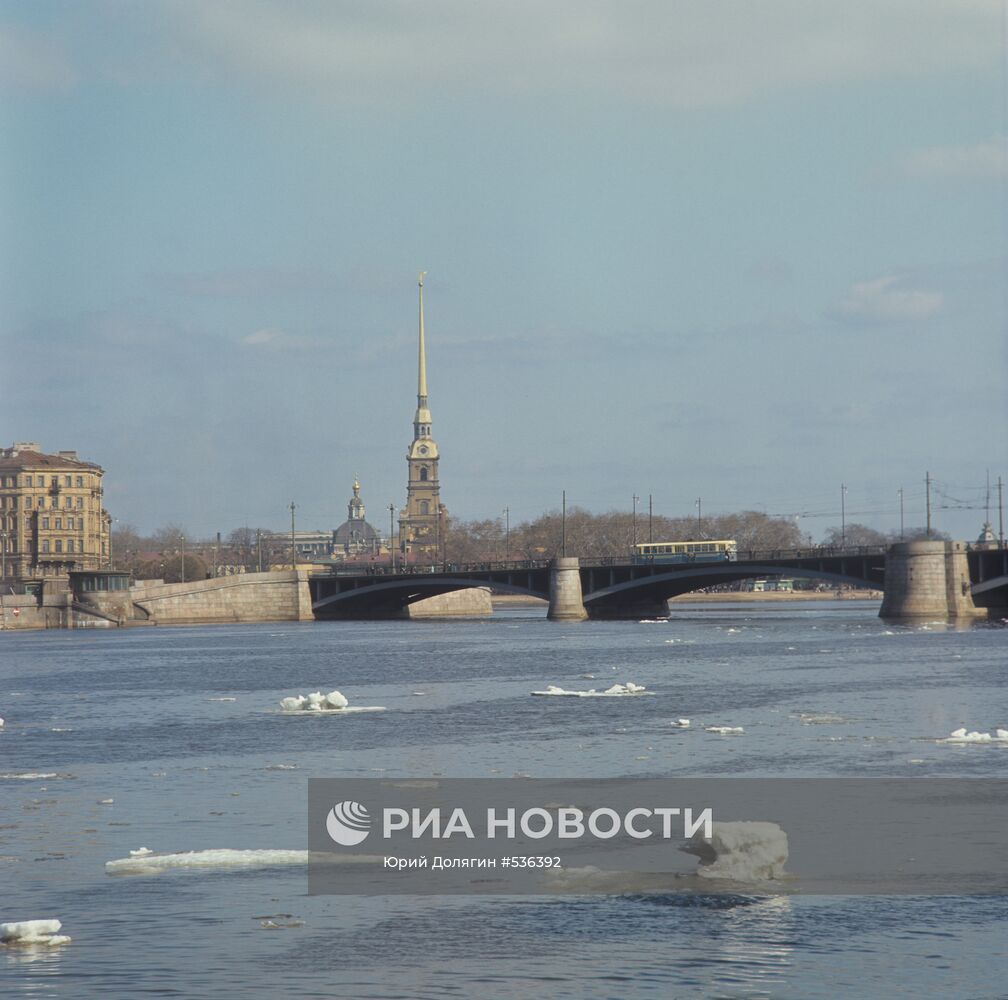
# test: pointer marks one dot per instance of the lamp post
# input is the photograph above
(181, 552)
(699, 512)
(900, 492)
(843, 516)
(650, 517)
(293, 507)
(391, 533)
(507, 534)
(635, 499)
(563, 526)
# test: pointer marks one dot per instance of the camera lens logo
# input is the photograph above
(348, 823)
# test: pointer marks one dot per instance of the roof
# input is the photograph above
(355, 530)
(11, 460)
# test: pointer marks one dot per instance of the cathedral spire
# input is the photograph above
(422, 420)
(422, 355)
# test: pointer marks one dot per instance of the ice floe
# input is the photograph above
(725, 730)
(616, 691)
(820, 719)
(680, 723)
(32, 932)
(743, 851)
(225, 859)
(31, 775)
(333, 702)
(963, 737)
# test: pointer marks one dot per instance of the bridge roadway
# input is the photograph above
(610, 588)
(614, 588)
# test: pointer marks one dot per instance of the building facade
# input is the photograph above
(51, 517)
(421, 521)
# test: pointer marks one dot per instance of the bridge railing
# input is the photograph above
(490, 566)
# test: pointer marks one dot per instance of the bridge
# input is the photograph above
(918, 578)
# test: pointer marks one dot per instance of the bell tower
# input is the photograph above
(421, 521)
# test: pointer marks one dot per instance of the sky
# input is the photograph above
(748, 253)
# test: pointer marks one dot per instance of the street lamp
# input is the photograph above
(391, 533)
(843, 516)
(293, 507)
(699, 511)
(900, 492)
(635, 499)
(563, 526)
(507, 534)
(182, 551)
(650, 517)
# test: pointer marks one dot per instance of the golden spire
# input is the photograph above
(422, 356)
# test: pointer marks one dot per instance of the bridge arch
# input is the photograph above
(661, 586)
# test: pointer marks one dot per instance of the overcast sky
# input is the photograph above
(721, 249)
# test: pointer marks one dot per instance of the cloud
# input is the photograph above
(274, 338)
(402, 52)
(885, 300)
(32, 61)
(980, 159)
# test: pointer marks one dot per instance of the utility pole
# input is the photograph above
(391, 533)
(927, 487)
(650, 516)
(900, 492)
(293, 507)
(843, 516)
(635, 499)
(563, 526)
(507, 534)
(1000, 513)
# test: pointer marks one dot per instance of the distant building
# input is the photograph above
(51, 517)
(355, 538)
(421, 521)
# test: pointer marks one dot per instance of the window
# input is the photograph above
(70, 545)
(80, 480)
(70, 523)
(27, 503)
(59, 544)
(59, 523)
(45, 522)
(28, 481)
(424, 507)
(66, 480)
(69, 503)
(45, 545)
(80, 503)
(423, 473)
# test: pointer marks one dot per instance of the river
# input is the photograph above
(171, 739)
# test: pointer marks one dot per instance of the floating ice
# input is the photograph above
(654, 621)
(725, 730)
(1, 722)
(32, 775)
(334, 701)
(820, 719)
(28, 932)
(961, 736)
(680, 723)
(222, 699)
(742, 852)
(105, 802)
(616, 691)
(225, 859)
(150, 863)
(141, 852)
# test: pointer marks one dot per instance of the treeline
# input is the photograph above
(170, 553)
(611, 534)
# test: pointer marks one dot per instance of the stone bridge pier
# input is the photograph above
(928, 579)
(566, 602)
